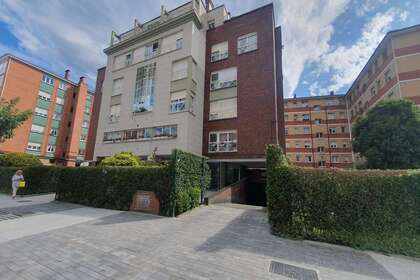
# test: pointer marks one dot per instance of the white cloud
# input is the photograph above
(72, 34)
(307, 28)
(345, 62)
(367, 6)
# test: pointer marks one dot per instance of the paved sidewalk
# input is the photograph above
(6, 201)
(215, 242)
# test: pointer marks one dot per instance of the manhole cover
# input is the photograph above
(23, 200)
(293, 272)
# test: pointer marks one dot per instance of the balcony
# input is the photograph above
(221, 85)
(218, 56)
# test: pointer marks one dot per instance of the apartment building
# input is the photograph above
(243, 97)
(318, 132)
(152, 94)
(393, 71)
(58, 130)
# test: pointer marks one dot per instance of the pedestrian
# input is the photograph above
(16, 179)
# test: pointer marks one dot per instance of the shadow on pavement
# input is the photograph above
(250, 232)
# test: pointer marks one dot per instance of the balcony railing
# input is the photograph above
(220, 85)
(218, 56)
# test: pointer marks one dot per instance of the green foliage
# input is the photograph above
(122, 159)
(39, 179)
(369, 209)
(11, 118)
(19, 160)
(190, 175)
(389, 135)
(113, 187)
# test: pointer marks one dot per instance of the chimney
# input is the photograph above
(332, 93)
(67, 74)
(81, 80)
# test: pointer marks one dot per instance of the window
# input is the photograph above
(318, 135)
(332, 130)
(247, 43)
(306, 130)
(225, 141)
(372, 91)
(297, 145)
(331, 116)
(390, 94)
(145, 88)
(286, 117)
(212, 24)
(3, 67)
(297, 157)
(180, 70)
(287, 145)
(308, 145)
(59, 101)
(128, 59)
(378, 85)
(178, 101)
(334, 159)
(172, 42)
(119, 61)
(223, 109)
(83, 138)
(34, 147)
(117, 86)
(62, 85)
(295, 117)
(308, 158)
(44, 96)
(318, 121)
(344, 145)
(37, 128)
(343, 129)
(114, 113)
(152, 50)
(321, 163)
(41, 112)
(306, 117)
(223, 79)
(51, 148)
(333, 145)
(85, 124)
(53, 132)
(296, 130)
(47, 79)
(317, 108)
(112, 136)
(57, 116)
(141, 134)
(342, 115)
(388, 75)
(286, 131)
(219, 51)
(320, 149)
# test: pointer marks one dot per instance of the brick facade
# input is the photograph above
(256, 123)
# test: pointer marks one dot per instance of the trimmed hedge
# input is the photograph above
(376, 210)
(39, 179)
(190, 175)
(178, 185)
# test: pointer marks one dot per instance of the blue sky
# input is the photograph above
(326, 42)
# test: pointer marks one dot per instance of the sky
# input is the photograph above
(326, 42)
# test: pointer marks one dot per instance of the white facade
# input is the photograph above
(169, 50)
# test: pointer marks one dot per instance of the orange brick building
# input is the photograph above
(318, 132)
(58, 130)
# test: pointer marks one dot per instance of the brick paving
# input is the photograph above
(216, 242)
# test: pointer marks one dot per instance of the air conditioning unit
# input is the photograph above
(212, 86)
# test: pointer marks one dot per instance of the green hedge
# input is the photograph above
(190, 175)
(177, 185)
(39, 179)
(377, 210)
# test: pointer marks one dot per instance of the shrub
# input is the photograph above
(39, 179)
(19, 160)
(122, 159)
(190, 175)
(378, 210)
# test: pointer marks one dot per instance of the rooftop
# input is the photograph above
(8, 55)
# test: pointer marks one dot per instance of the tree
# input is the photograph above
(122, 159)
(11, 118)
(19, 160)
(389, 135)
